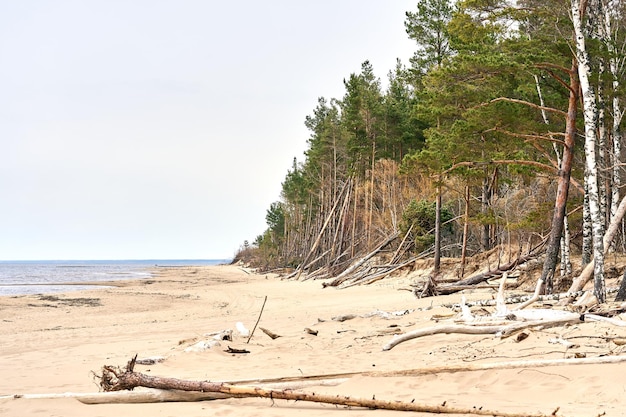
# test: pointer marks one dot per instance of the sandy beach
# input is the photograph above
(54, 343)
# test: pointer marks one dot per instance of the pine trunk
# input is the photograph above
(465, 231)
(566, 264)
(437, 260)
(554, 242)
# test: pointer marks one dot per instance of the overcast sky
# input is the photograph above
(146, 129)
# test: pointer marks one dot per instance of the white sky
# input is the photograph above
(146, 129)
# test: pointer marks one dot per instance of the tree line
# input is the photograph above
(504, 128)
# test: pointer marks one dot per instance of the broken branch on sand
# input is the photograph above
(257, 320)
(114, 379)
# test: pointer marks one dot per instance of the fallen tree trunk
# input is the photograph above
(515, 299)
(344, 275)
(369, 279)
(125, 397)
(112, 380)
(321, 233)
(538, 363)
(479, 278)
(155, 395)
(586, 274)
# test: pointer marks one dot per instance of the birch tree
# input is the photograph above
(614, 43)
(590, 115)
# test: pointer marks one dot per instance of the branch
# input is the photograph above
(527, 103)
(474, 164)
(549, 67)
(547, 138)
(546, 65)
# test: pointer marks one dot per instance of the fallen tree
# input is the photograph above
(584, 277)
(115, 379)
(297, 382)
(485, 276)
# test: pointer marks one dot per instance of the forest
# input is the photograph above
(502, 133)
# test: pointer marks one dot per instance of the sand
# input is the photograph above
(53, 344)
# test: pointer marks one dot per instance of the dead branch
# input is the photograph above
(236, 350)
(129, 380)
(270, 333)
(529, 104)
(257, 320)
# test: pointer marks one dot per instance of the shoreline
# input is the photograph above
(49, 277)
(112, 283)
(51, 346)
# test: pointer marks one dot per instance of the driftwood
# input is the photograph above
(113, 379)
(610, 320)
(516, 299)
(125, 397)
(167, 395)
(502, 330)
(299, 382)
(235, 350)
(487, 325)
(270, 333)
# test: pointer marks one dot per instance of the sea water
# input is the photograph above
(42, 277)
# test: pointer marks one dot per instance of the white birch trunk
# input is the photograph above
(590, 113)
(587, 233)
(616, 69)
(566, 261)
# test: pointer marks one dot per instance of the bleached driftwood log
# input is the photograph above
(538, 363)
(501, 330)
(611, 320)
(516, 299)
(125, 397)
(167, 395)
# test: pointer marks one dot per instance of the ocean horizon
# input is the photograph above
(24, 277)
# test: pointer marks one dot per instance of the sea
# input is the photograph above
(44, 277)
